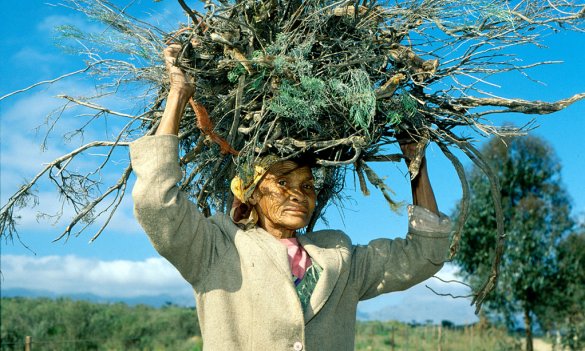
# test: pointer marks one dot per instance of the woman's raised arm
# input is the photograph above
(422, 191)
(182, 87)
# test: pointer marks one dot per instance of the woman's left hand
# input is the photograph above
(422, 191)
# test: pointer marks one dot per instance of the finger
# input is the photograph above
(172, 50)
(171, 53)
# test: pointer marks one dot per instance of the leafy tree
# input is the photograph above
(572, 260)
(566, 311)
(64, 324)
(536, 218)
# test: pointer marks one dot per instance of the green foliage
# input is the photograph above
(306, 102)
(310, 101)
(401, 108)
(126, 36)
(536, 217)
(394, 118)
(566, 312)
(572, 266)
(64, 324)
(301, 103)
(290, 60)
(354, 92)
(235, 73)
(70, 32)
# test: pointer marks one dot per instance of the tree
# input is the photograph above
(339, 80)
(565, 310)
(572, 261)
(64, 324)
(537, 217)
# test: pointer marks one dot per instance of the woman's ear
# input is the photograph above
(252, 200)
(255, 197)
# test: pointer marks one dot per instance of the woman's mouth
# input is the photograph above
(296, 210)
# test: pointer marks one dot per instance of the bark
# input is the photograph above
(528, 326)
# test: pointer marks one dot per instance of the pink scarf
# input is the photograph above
(298, 258)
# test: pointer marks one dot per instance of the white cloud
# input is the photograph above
(155, 276)
(33, 57)
(75, 275)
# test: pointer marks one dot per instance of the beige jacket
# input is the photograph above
(244, 294)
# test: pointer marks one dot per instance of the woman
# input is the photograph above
(264, 288)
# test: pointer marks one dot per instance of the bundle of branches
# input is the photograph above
(337, 80)
(330, 80)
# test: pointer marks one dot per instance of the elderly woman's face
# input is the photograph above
(285, 198)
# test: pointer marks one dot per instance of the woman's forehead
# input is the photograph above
(289, 167)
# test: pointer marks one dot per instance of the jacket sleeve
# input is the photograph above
(177, 230)
(386, 265)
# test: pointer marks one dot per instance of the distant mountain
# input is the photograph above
(458, 313)
(457, 310)
(154, 301)
(363, 316)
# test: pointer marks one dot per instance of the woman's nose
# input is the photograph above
(297, 194)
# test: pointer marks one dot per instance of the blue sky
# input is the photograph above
(122, 263)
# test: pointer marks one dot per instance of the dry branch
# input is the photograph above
(518, 105)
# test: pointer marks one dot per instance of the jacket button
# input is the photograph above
(298, 346)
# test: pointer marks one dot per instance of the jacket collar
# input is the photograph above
(274, 249)
(331, 262)
(329, 259)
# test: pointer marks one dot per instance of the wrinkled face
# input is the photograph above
(285, 198)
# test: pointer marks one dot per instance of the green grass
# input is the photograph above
(65, 324)
(394, 336)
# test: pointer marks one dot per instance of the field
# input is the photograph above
(64, 324)
(394, 336)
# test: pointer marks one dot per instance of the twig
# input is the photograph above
(449, 294)
(463, 204)
(519, 105)
(188, 10)
(105, 109)
(55, 163)
(478, 159)
(83, 70)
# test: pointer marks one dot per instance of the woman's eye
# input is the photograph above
(309, 186)
(281, 182)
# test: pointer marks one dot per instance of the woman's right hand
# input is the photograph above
(180, 81)
(181, 91)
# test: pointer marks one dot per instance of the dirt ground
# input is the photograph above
(541, 345)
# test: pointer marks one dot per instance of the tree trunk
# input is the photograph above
(528, 326)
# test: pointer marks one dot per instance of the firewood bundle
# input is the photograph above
(330, 81)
